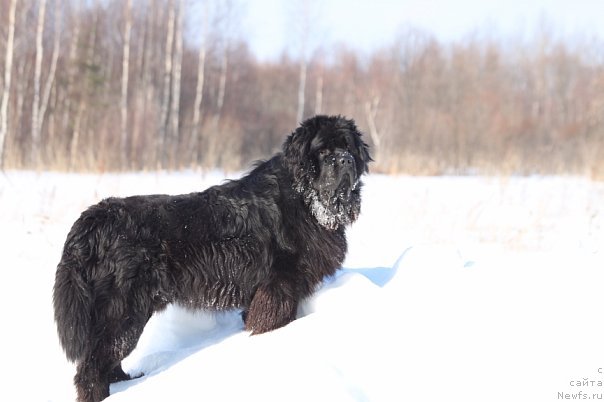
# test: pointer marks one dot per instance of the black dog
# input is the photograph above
(260, 244)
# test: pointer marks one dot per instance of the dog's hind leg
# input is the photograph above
(103, 365)
(92, 380)
(123, 345)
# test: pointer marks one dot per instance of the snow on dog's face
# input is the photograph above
(327, 158)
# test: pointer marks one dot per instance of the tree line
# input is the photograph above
(129, 85)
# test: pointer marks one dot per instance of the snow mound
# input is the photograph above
(431, 327)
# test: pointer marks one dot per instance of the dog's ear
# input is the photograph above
(297, 146)
(364, 153)
(361, 146)
(295, 154)
(294, 146)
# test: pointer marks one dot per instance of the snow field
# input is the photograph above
(455, 288)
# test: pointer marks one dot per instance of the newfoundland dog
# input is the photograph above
(260, 244)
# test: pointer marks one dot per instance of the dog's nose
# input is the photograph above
(345, 159)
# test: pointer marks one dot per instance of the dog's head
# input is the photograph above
(327, 157)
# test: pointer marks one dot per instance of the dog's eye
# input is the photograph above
(323, 153)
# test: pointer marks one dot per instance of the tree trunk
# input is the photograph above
(165, 105)
(224, 66)
(301, 90)
(176, 77)
(124, 94)
(22, 73)
(82, 106)
(35, 125)
(8, 66)
(371, 109)
(303, 11)
(75, 139)
(201, 65)
(144, 92)
(71, 70)
(53, 69)
(319, 94)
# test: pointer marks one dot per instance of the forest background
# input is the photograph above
(112, 85)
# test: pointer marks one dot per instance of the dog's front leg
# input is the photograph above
(274, 305)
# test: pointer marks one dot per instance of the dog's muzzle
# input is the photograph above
(345, 173)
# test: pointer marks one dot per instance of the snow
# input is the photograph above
(454, 288)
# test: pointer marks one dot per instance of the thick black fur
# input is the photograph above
(260, 244)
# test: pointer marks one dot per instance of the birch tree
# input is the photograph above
(319, 93)
(305, 20)
(8, 66)
(304, 33)
(227, 16)
(224, 66)
(176, 78)
(71, 67)
(35, 125)
(301, 89)
(50, 80)
(74, 142)
(144, 89)
(201, 65)
(371, 110)
(124, 92)
(165, 104)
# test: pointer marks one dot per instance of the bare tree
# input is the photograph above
(82, 109)
(301, 90)
(35, 124)
(20, 81)
(224, 65)
(319, 92)
(201, 65)
(305, 22)
(124, 93)
(165, 104)
(144, 90)
(304, 37)
(8, 67)
(226, 17)
(371, 109)
(50, 80)
(176, 80)
(75, 19)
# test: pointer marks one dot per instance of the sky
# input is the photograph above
(272, 26)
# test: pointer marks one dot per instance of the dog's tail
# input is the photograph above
(72, 296)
